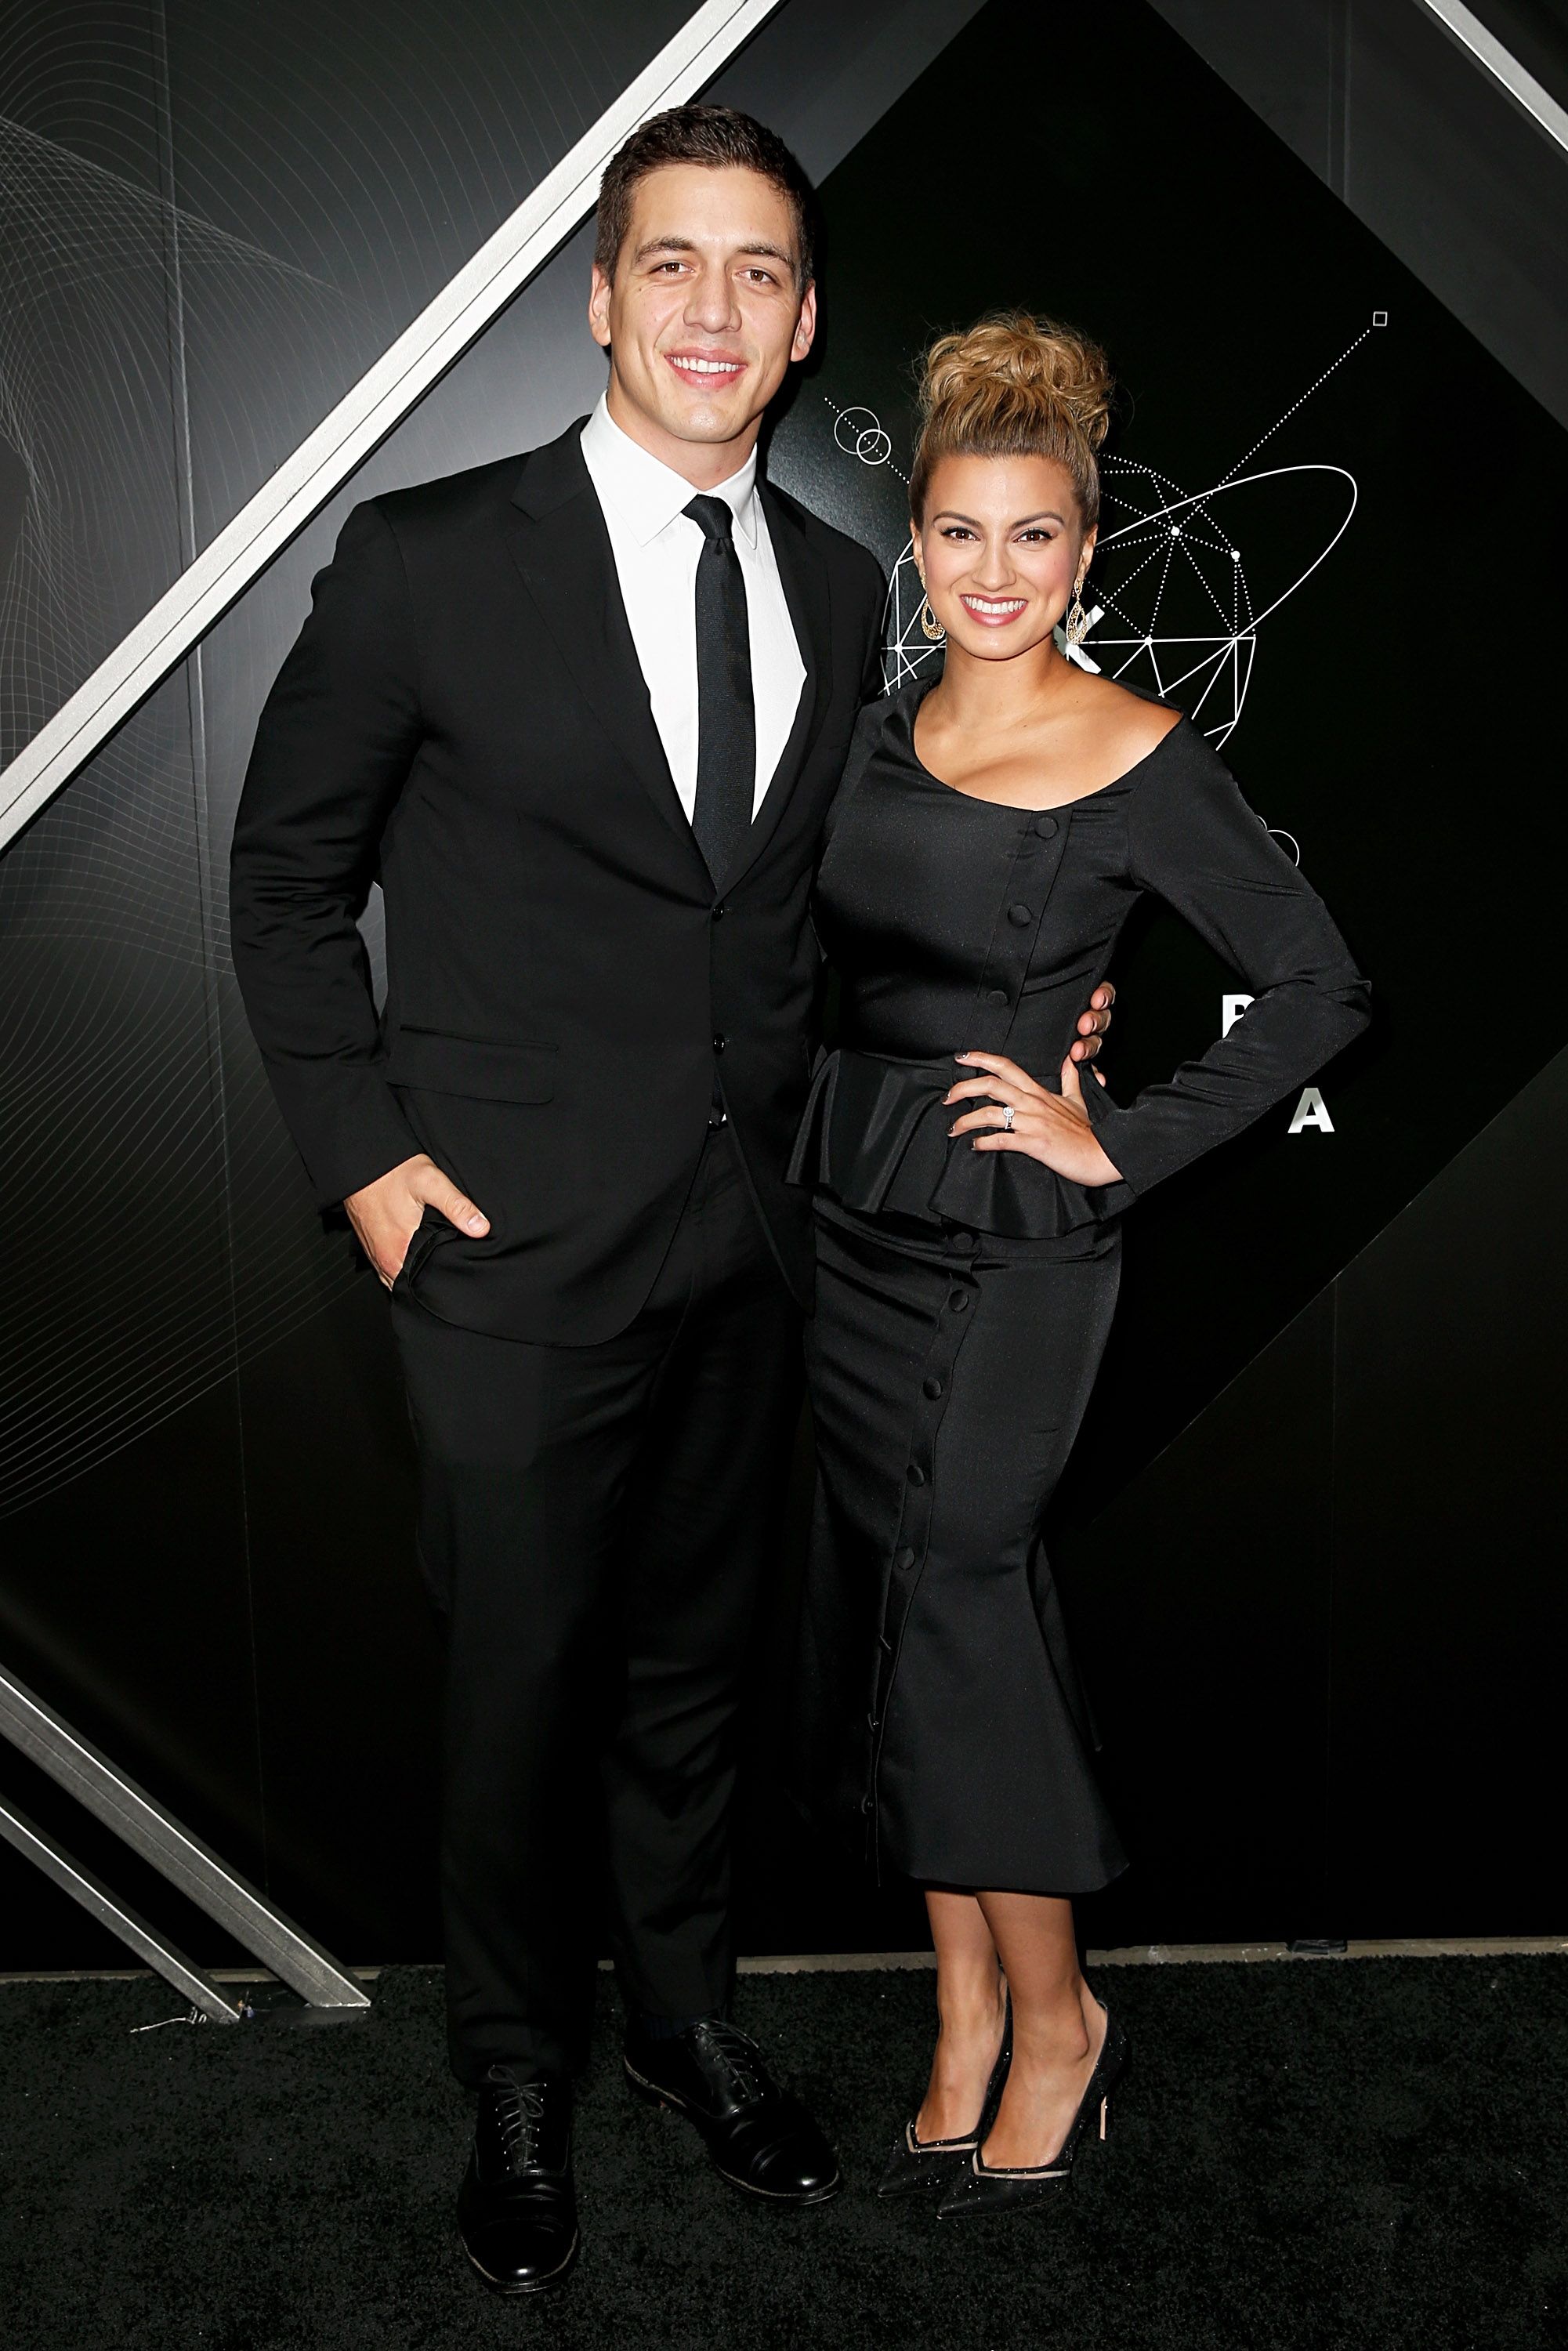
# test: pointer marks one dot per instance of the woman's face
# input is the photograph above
(1001, 548)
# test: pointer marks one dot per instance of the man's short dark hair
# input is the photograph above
(720, 139)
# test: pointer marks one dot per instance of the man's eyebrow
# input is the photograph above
(689, 244)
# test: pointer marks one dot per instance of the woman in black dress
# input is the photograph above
(991, 835)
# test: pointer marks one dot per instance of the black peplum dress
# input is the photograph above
(963, 1298)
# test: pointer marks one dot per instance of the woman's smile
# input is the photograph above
(994, 611)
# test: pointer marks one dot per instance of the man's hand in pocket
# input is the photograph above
(386, 1214)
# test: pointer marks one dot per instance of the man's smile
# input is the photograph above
(708, 368)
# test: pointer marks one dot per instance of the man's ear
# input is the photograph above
(806, 324)
(599, 306)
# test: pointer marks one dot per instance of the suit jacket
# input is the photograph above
(463, 719)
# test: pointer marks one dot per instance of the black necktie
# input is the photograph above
(726, 717)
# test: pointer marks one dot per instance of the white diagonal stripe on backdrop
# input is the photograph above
(1467, 31)
(378, 402)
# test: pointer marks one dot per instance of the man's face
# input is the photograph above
(703, 316)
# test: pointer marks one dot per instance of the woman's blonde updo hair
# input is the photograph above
(1014, 386)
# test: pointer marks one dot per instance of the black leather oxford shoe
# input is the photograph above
(516, 2208)
(759, 2137)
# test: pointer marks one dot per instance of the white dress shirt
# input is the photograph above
(656, 547)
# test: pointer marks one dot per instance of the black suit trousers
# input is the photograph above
(600, 1521)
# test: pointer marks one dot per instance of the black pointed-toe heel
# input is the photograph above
(980, 2188)
(917, 2167)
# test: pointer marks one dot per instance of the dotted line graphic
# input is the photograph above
(1160, 590)
(869, 441)
(1299, 404)
(1203, 579)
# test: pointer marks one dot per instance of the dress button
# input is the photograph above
(933, 1388)
(995, 996)
(719, 913)
(719, 1044)
(865, 1804)
(1019, 915)
(961, 1243)
(906, 1560)
(957, 1299)
(915, 1474)
(874, 1722)
(1046, 827)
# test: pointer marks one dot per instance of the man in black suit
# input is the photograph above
(581, 715)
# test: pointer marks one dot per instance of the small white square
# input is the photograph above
(1380, 318)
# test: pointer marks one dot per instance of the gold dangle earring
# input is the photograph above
(1077, 624)
(930, 625)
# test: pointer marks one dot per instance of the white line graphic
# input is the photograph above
(1168, 576)
(364, 418)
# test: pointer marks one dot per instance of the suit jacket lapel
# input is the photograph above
(804, 578)
(562, 549)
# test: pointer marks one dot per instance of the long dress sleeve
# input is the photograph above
(862, 743)
(1193, 840)
(336, 740)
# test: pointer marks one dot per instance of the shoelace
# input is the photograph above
(740, 2058)
(520, 2115)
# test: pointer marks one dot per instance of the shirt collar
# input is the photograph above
(646, 494)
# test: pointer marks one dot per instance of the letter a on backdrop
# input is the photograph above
(1311, 1110)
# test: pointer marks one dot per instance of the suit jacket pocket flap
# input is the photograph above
(474, 1066)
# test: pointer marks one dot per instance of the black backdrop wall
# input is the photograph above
(1311, 1536)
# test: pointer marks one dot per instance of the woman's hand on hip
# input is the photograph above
(1052, 1128)
(1093, 1025)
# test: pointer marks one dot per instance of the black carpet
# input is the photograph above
(1349, 2155)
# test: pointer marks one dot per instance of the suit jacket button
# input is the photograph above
(933, 1388)
(719, 912)
(915, 1474)
(1046, 827)
(1020, 915)
(957, 1299)
(719, 1044)
(995, 996)
(906, 1560)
